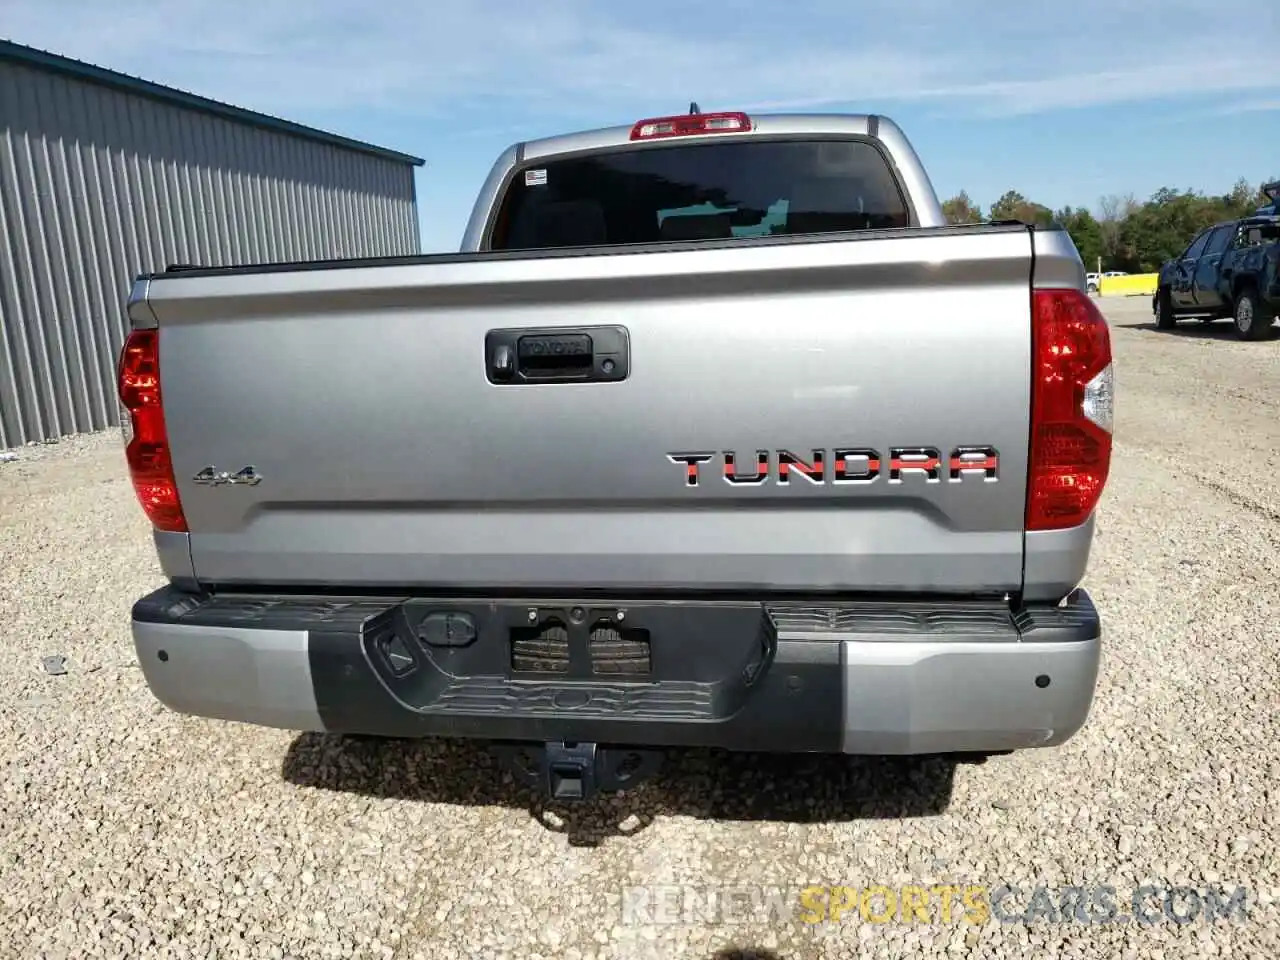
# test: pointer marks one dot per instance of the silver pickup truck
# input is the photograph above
(714, 434)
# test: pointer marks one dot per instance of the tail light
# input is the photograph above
(1072, 400)
(690, 125)
(147, 440)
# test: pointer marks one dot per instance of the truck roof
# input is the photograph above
(767, 124)
(1239, 221)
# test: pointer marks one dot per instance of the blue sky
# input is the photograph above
(1063, 102)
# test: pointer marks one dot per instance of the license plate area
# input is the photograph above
(580, 642)
(540, 655)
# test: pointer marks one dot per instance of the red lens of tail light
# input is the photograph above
(147, 450)
(1072, 415)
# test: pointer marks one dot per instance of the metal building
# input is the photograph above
(104, 176)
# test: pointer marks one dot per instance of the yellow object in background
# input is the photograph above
(1128, 285)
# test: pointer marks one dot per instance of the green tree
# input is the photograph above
(960, 209)
(1163, 226)
(1014, 206)
(1085, 232)
(1243, 199)
(1113, 210)
(1126, 234)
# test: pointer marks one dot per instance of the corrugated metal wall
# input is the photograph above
(98, 185)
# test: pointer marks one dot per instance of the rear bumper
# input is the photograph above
(868, 677)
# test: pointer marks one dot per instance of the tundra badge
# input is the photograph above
(847, 465)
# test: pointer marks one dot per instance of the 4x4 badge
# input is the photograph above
(212, 477)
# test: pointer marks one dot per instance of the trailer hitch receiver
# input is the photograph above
(574, 772)
(570, 771)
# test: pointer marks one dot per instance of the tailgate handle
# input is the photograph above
(557, 355)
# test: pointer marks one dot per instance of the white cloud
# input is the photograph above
(1250, 106)
(576, 58)
(1190, 76)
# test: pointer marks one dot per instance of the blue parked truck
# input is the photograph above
(1229, 270)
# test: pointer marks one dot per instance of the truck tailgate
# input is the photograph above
(387, 457)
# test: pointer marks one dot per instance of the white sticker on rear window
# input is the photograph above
(535, 178)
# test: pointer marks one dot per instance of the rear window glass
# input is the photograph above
(702, 191)
(1253, 234)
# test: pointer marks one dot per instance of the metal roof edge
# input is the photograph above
(54, 63)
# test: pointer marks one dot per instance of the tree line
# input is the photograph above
(1128, 235)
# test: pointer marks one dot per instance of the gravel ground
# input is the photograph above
(128, 831)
